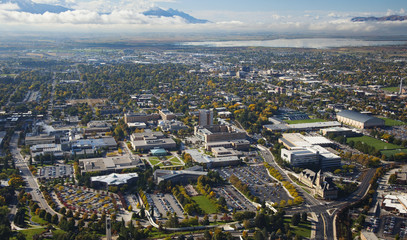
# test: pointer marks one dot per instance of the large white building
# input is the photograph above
(113, 179)
(300, 157)
(359, 120)
(308, 150)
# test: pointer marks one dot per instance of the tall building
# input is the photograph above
(205, 117)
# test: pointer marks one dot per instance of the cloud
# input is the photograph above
(80, 17)
(9, 7)
(125, 16)
(395, 12)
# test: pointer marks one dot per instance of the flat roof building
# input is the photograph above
(179, 176)
(166, 114)
(308, 150)
(113, 179)
(218, 133)
(290, 140)
(212, 162)
(39, 139)
(359, 120)
(109, 164)
(148, 140)
(97, 127)
(339, 131)
(300, 157)
(140, 117)
(281, 127)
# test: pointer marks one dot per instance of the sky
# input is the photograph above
(268, 16)
(288, 5)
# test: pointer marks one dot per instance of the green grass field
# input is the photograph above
(205, 204)
(389, 153)
(377, 144)
(391, 122)
(303, 229)
(37, 219)
(31, 232)
(391, 89)
(154, 162)
(175, 161)
(305, 121)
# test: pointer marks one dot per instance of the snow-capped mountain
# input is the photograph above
(35, 8)
(159, 12)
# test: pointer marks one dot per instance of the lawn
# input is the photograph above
(376, 143)
(391, 122)
(391, 89)
(31, 232)
(205, 204)
(175, 161)
(154, 162)
(37, 219)
(303, 229)
(305, 121)
(389, 153)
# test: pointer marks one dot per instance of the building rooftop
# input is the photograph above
(109, 163)
(114, 178)
(355, 115)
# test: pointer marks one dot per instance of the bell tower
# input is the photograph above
(108, 229)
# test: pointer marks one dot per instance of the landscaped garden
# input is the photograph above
(165, 161)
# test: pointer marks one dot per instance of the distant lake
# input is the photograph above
(319, 43)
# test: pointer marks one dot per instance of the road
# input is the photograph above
(325, 226)
(31, 183)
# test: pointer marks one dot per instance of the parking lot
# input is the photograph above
(164, 203)
(86, 199)
(55, 171)
(391, 225)
(233, 198)
(259, 182)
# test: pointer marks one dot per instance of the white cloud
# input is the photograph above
(125, 16)
(9, 7)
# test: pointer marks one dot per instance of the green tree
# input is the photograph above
(295, 219)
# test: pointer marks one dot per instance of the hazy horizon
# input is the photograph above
(273, 17)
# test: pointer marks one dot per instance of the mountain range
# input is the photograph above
(35, 8)
(39, 8)
(379, 19)
(159, 12)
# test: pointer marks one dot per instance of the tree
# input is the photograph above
(304, 217)
(55, 219)
(393, 179)
(295, 219)
(20, 236)
(42, 213)
(48, 217)
(207, 235)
